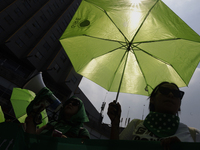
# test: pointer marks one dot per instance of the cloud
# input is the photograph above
(191, 101)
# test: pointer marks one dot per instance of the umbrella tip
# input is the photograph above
(146, 88)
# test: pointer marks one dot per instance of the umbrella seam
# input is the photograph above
(117, 27)
(156, 59)
(102, 55)
(140, 68)
(144, 20)
(109, 18)
(121, 80)
(152, 56)
(103, 39)
(158, 40)
(117, 70)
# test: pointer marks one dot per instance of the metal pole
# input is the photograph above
(121, 78)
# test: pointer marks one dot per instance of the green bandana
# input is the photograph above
(161, 125)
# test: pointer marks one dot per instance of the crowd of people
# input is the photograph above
(161, 124)
(68, 125)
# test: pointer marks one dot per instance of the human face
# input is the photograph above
(166, 103)
(71, 107)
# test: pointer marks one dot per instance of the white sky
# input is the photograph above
(135, 106)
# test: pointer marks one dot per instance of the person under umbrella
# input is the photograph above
(161, 124)
(69, 123)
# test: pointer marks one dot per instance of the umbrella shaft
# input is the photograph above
(122, 77)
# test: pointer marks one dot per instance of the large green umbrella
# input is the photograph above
(130, 46)
(20, 99)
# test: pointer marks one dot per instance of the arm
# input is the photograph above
(114, 113)
(30, 125)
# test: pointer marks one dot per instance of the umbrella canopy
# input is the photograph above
(2, 119)
(20, 99)
(131, 45)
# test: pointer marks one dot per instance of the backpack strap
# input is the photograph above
(193, 133)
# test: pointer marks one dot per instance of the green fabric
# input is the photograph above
(13, 137)
(73, 125)
(161, 125)
(20, 99)
(81, 115)
(2, 119)
(147, 39)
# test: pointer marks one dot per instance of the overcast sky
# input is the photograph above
(135, 106)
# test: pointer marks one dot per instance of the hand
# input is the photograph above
(166, 143)
(114, 112)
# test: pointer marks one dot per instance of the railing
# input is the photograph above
(12, 137)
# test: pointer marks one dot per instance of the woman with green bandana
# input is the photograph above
(69, 123)
(161, 124)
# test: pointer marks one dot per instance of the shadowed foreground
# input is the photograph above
(12, 137)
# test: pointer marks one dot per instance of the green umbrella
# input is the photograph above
(130, 46)
(2, 119)
(20, 99)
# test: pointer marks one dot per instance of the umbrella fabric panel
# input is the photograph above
(123, 20)
(125, 14)
(44, 119)
(20, 99)
(133, 79)
(91, 21)
(182, 55)
(155, 71)
(19, 107)
(93, 61)
(163, 24)
(87, 48)
(2, 119)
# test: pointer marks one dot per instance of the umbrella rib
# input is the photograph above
(159, 40)
(116, 72)
(143, 21)
(103, 39)
(123, 46)
(122, 75)
(139, 64)
(155, 58)
(151, 56)
(110, 19)
(111, 51)
(116, 26)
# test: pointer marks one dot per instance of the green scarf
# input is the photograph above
(161, 125)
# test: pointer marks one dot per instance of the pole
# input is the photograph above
(122, 77)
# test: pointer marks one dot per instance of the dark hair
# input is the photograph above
(153, 93)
